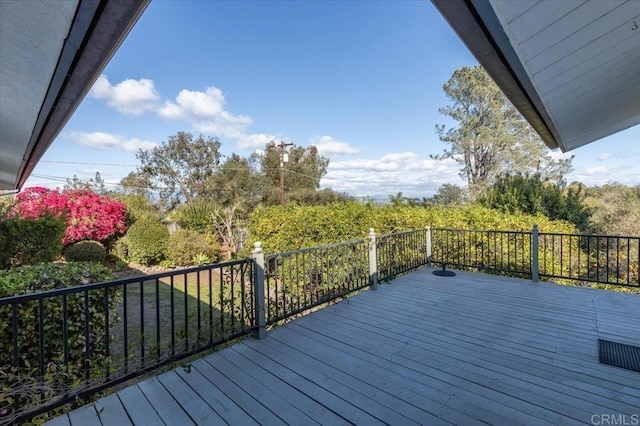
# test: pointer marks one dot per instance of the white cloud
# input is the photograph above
(329, 146)
(204, 110)
(206, 113)
(256, 141)
(408, 172)
(591, 171)
(129, 96)
(604, 157)
(107, 141)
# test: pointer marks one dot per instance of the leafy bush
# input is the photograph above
(89, 216)
(146, 241)
(50, 276)
(289, 227)
(120, 248)
(137, 206)
(533, 195)
(184, 246)
(30, 241)
(85, 251)
(200, 259)
(30, 382)
(197, 215)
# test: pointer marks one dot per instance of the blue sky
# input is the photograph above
(361, 80)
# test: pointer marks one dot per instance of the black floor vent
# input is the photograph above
(619, 355)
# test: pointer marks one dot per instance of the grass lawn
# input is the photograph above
(163, 317)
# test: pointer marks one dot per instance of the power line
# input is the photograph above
(88, 164)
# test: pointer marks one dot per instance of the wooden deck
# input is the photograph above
(421, 350)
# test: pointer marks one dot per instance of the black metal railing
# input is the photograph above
(496, 252)
(401, 252)
(563, 258)
(73, 342)
(298, 280)
(581, 258)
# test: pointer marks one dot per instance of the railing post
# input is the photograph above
(258, 290)
(373, 260)
(428, 242)
(535, 262)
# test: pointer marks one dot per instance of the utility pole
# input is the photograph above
(283, 159)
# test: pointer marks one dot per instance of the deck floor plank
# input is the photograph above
(378, 402)
(502, 361)
(139, 409)
(111, 411)
(237, 394)
(309, 387)
(259, 390)
(465, 366)
(163, 402)
(471, 349)
(85, 416)
(188, 399)
(204, 402)
(300, 400)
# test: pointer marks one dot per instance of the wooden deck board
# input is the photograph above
(497, 369)
(139, 409)
(111, 411)
(423, 349)
(165, 405)
(85, 416)
(216, 408)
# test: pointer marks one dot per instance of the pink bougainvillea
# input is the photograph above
(89, 216)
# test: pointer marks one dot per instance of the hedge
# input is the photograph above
(291, 227)
(146, 241)
(85, 251)
(30, 241)
(185, 245)
(24, 386)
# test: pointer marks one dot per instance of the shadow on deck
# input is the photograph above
(423, 349)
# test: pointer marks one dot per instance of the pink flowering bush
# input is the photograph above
(88, 216)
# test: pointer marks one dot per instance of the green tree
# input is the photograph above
(533, 195)
(449, 195)
(95, 184)
(397, 200)
(237, 182)
(616, 209)
(135, 184)
(303, 171)
(180, 169)
(490, 136)
(138, 206)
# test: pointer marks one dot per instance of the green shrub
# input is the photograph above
(198, 215)
(200, 259)
(184, 246)
(30, 241)
(167, 264)
(289, 227)
(85, 251)
(146, 241)
(24, 383)
(120, 249)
